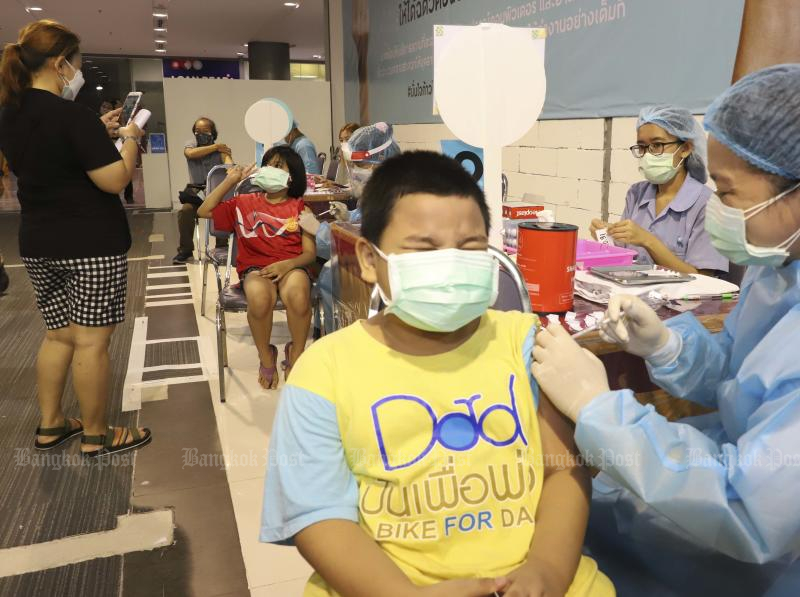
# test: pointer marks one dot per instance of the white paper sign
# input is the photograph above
(489, 87)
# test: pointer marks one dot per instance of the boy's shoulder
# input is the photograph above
(319, 360)
(513, 320)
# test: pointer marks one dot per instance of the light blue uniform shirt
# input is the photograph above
(681, 226)
(323, 237)
(305, 148)
(707, 505)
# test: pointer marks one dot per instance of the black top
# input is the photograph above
(50, 144)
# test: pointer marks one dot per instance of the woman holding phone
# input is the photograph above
(74, 235)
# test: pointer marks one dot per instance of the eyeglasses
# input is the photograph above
(656, 148)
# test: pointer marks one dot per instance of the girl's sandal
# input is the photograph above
(64, 433)
(107, 445)
(285, 364)
(269, 374)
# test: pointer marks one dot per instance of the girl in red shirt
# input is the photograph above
(272, 251)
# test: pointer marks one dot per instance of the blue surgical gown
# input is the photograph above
(707, 505)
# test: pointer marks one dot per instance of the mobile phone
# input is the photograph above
(129, 107)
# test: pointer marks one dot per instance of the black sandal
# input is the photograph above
(106, 440)
(64, 433)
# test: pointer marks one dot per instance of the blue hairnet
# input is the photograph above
(758, 118)
(371, 137)
(680, 123)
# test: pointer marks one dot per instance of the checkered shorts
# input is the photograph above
(89, 291)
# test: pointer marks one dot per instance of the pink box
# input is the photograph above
(594, 254)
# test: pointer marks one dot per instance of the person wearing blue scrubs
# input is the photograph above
(664, 217)
(305, 149)
(367, 148)
(706, 505)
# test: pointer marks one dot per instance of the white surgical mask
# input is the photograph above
(440, 291)
(727, 227)
(73, 86)
(658, 169)
(271, 179)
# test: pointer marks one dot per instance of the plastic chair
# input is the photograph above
(512, 293)
(215, 177)
(333, 169)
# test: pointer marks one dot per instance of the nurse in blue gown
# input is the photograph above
(708, 505)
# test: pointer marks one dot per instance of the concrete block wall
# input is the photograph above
(560, 161)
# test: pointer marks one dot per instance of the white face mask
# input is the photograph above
(658, 169)
(727, 227)
(72, 87)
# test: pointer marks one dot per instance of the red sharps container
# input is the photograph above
(546, 255)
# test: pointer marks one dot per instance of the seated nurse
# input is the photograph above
(664, 217)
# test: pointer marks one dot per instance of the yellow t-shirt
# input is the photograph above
(445, 449)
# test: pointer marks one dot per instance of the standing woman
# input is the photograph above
(74, 235)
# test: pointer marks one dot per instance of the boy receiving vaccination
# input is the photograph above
(412, 453)
(272, 252)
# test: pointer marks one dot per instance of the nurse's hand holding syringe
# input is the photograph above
(634, 325)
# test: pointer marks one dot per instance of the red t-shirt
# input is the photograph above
(265, 232)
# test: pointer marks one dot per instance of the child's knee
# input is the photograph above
(297, 298)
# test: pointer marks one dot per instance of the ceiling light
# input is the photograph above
(305, 77)
(160, 29)
(161, 41)
(292, 4)
(240, 54)
(34, 8)
(245, 45)
(160, 13)
(317, 56)
(161, 50)
(99, 88)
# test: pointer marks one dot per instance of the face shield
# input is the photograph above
(361, 163)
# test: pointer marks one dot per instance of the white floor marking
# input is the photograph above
(165, 296)
(169, 303)
(162, 340)
(154, 286)
(166, 274)
(168, 367)
(171, 381)
(148, 258)
(178, 267)
(131, 393)
(134, 532)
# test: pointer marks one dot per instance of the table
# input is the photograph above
(318, 201)
(624, 370)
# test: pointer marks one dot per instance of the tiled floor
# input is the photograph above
(244, 423)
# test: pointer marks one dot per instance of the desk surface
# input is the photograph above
(323, 195)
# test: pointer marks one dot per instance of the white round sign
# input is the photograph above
(268, 120)
(490, 84)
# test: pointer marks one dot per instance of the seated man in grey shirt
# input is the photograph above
(202, 155)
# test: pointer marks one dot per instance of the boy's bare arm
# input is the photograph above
(563, 510)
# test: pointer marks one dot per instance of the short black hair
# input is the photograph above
(409, 173)
(209, 121)
(293, 161)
